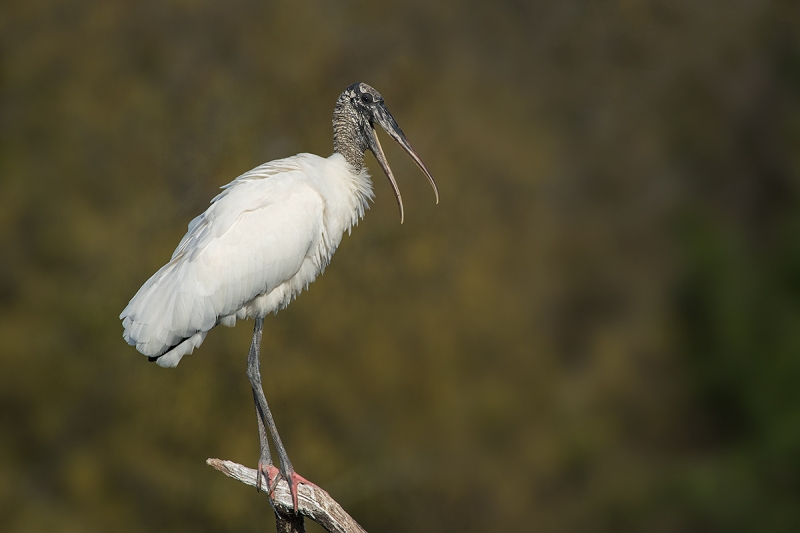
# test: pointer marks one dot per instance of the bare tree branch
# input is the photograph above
(289, 524)
(314, 502)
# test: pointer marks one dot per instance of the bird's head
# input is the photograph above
(369, 109)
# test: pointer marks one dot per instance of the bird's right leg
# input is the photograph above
(265, 466)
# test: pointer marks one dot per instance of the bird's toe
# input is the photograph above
(270, 473)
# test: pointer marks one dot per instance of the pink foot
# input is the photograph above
(273, 475)
(270, 473)
(296, 480)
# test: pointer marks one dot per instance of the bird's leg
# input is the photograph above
(265, 459)
(266, 422)
(265, 465)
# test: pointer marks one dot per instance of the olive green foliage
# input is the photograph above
(596, 330)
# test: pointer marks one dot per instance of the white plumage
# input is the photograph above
(269, 234)
(260, 243)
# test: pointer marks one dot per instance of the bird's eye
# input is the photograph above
(366, 98)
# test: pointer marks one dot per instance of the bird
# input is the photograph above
(261, 242)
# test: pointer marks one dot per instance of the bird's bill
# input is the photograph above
(375, 146)
(387, 122)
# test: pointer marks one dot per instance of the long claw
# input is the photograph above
(273, 484)
(293, 484)
(259, 471)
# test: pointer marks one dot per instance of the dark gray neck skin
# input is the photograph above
(347, 137)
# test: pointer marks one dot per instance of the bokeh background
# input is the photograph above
(598, 329)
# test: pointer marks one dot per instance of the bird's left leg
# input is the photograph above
(266, 420)
(265, 466)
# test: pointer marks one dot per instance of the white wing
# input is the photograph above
(254, 237)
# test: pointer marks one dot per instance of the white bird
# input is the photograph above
(261, 242)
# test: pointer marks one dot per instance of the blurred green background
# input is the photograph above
(596, 329)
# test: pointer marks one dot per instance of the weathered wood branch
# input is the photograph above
(314, 502)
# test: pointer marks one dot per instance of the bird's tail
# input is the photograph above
(164, 320)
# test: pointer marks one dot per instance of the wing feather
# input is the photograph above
(253, 238)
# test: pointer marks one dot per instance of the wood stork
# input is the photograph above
(261, 242)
